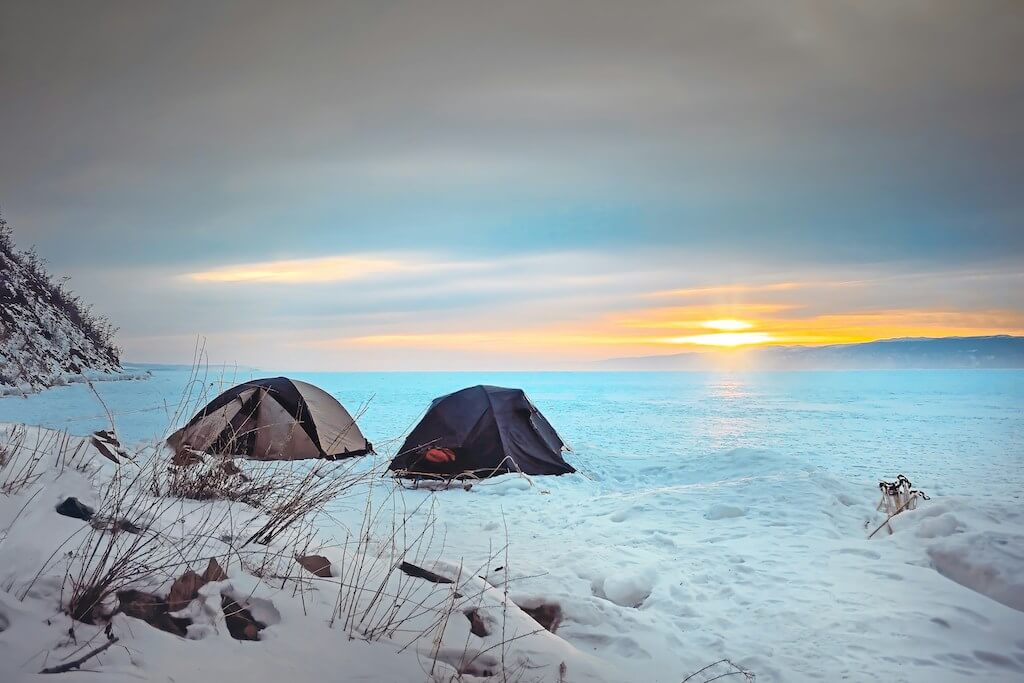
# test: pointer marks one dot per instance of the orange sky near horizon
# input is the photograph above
(821, 330)
(699, 328)
(710, 316)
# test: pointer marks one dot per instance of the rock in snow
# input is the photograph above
(72, 507)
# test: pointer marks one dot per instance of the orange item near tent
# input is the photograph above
(439, 455)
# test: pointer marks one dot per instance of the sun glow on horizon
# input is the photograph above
(726, 339)
(729, 334)
(727, 325)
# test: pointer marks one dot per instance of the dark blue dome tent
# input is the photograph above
(481, 431)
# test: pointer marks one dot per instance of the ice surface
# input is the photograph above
(721, 515)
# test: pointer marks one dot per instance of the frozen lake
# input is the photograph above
(939, 427)
(721, 515)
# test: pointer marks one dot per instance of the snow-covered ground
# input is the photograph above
(715, 516)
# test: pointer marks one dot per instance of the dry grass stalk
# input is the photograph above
(723, 668)
(26, 453)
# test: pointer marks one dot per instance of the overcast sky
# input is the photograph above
(516, 185)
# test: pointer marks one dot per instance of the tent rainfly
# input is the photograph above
(273, 419)
(482, 431)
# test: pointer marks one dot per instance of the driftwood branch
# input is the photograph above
(74, 664)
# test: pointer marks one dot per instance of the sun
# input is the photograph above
(729, 332)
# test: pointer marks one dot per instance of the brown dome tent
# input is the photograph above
(273, 419)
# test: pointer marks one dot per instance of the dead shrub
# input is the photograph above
(214, 479)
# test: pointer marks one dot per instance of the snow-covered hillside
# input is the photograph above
(46, 334)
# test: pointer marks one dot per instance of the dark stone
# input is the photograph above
(547, 614)
(153, 610)
(421, 573)
(184, 590)
(72, 507)
(241, 624)
(214, 572)
(317, 565)
(186, 587)
(476, 623)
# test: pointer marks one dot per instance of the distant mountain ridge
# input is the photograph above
(47, 335)
(998, 351)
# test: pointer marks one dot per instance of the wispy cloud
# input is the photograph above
(706, 316)
(531, 338)
(718, 290)
(297, 271)
(325, 269)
